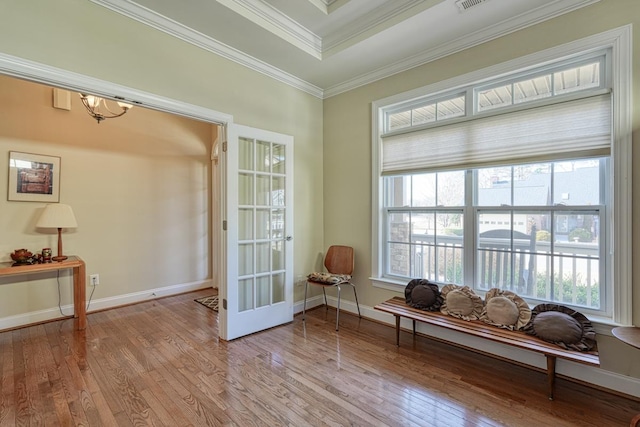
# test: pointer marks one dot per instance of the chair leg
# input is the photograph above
(326, 306)
(304, 307)
(338, 310)
(355, 294)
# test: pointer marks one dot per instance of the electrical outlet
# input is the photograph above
(94, 279)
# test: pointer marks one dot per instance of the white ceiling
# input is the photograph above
(326, 47)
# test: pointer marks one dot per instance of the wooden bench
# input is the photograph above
(398, 307)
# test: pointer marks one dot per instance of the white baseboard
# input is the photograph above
(101, 304)
(587, 374)
(311, 303)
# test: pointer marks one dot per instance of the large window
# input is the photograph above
(513, 182)
(535, 229)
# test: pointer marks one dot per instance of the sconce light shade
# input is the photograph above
(99, 109)
(57, 215)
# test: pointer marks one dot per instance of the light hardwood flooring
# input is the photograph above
(161, 363)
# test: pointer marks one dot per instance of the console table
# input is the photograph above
(79, 281)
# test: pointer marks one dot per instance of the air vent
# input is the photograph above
(468, 4)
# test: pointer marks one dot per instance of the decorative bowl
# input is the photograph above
(22, 256)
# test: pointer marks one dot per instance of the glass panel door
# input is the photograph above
(259, 283)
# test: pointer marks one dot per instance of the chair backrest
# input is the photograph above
(339, 260)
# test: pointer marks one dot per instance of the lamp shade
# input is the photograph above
(57, 215)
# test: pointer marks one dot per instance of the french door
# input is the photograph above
(256, 286)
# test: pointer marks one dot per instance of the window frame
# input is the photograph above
(618, 77)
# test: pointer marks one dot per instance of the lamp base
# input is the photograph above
(59, 258)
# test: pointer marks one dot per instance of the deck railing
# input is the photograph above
(568, 275)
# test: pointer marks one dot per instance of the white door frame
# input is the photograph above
(40, 73)
(52, 76)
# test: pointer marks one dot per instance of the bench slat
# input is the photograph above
(399, 308)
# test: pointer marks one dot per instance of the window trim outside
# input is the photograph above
(620, 241)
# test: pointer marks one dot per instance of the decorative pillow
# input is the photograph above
(562, 326)
(505, 309)
(461, 302)
(328, 278)
(422, 294)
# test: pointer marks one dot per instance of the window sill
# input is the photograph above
(602, 325)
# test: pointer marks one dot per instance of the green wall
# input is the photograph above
(88, 39)
(347, 141)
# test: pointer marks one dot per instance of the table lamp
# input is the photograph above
(57, 215)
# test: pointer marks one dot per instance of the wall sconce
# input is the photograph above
(98, 109)
(57, 215)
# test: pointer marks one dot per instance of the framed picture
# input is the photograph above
(33, 178)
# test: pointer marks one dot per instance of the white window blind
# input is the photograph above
(577, 128)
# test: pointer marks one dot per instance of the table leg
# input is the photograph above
(398, 331)
(80, 296)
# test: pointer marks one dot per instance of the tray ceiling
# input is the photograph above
(326, 47)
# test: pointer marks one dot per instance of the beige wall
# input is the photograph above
(347, 140)
(82, 37)
(139, 186)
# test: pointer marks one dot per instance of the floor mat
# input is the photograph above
(211, 302)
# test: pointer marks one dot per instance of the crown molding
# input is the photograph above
(175, 29)
(372, 23)
(328, 6)
(473, 39)
(273, 20)
(276, 22)
(141, 14)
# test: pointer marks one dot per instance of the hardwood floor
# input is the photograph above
(161, 363)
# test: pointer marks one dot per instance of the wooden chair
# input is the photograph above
(339, 262)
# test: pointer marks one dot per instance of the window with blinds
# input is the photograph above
(503, 184)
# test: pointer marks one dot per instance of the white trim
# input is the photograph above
(370, 22)
(175, 29)
(41, 73)
(619, 40)
(493, 32)
(328, 6)
(148, 17)
(622, 81)
(311, 303)
(592, 375)
(102, 304)
(276, 22)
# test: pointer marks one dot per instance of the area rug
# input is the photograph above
(211, 302)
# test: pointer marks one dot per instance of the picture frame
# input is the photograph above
(33, 178)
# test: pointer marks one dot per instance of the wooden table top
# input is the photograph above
(8, 269)
(628, 334)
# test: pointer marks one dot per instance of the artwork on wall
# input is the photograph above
(33, 178)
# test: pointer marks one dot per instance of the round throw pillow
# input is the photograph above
(461, 302)
(502, 310)
(554, 326)
(421, 294)
(505, 309)
(562, 326)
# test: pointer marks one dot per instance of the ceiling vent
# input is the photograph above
(468, 4)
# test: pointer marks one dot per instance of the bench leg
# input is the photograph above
(551, 374)
(414, 327)
(398, 331)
